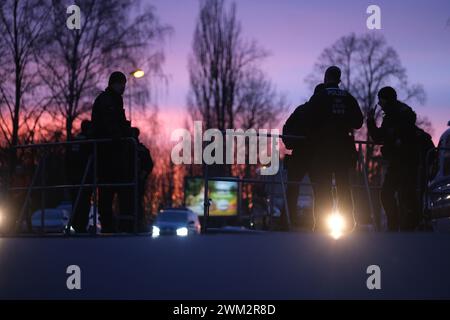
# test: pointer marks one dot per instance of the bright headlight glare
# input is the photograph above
(336, 225)
(155, 231)
(182, 232)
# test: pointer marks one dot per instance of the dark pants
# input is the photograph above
(113, 168)
(297, 167)
(400, 198)
(105, 200)
(321, 177)
(81, 209)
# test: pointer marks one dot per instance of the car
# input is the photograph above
(55, 220)
(176, 221)
(438, 199)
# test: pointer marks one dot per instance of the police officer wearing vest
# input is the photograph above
(333, 114)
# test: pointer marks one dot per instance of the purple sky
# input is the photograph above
(295, 33)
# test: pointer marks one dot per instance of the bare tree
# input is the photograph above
(21, 33)
(258, 102)
(367, 64)
(112, 37)
(220, 67)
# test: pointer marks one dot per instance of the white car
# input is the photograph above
(176, 221)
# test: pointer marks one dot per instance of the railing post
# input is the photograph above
(80, 191)
(44, 168)
(95, 187)
(286, 204)
(366, 184)
(206, 199)
(136, 186)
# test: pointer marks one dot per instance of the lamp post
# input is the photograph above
(136, 74)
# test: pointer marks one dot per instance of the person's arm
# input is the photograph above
(356, 118)
(377, 134)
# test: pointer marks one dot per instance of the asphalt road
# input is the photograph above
(228, 266)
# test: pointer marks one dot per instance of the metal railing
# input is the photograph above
(91, 164)
(283, 183)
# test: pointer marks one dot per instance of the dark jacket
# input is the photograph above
(397, 133)
(145, 161)
(332, 116)
(296, 125)
(108, 116)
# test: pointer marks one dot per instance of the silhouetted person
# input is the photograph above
(109, 122)
(78, 159)
(145, 167)
(332, 114)
(298, 163)
(404, 146)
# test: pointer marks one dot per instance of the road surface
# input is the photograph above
(228, 266)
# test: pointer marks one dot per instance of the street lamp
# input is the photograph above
(136, 74)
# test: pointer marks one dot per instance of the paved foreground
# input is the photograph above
(227, 266)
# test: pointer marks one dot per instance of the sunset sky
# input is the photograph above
(295, 33)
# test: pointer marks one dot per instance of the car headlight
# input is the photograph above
(336, 225)
(155, 231)
(182, 232)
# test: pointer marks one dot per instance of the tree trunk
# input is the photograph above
(69, 127)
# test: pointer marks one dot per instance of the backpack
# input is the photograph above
(294, 126)
(425, 145)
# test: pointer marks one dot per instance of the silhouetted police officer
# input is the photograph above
(145, 167)
(404, 148)
(298, 163)
(78, 159)
(109, 121)
(333, 114)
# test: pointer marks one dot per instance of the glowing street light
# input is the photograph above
(138, 73)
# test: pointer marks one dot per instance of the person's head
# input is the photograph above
(320, 87)
(86, 127)
(117, 82)
(387, 96)
(332, 75)
(135, 132)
